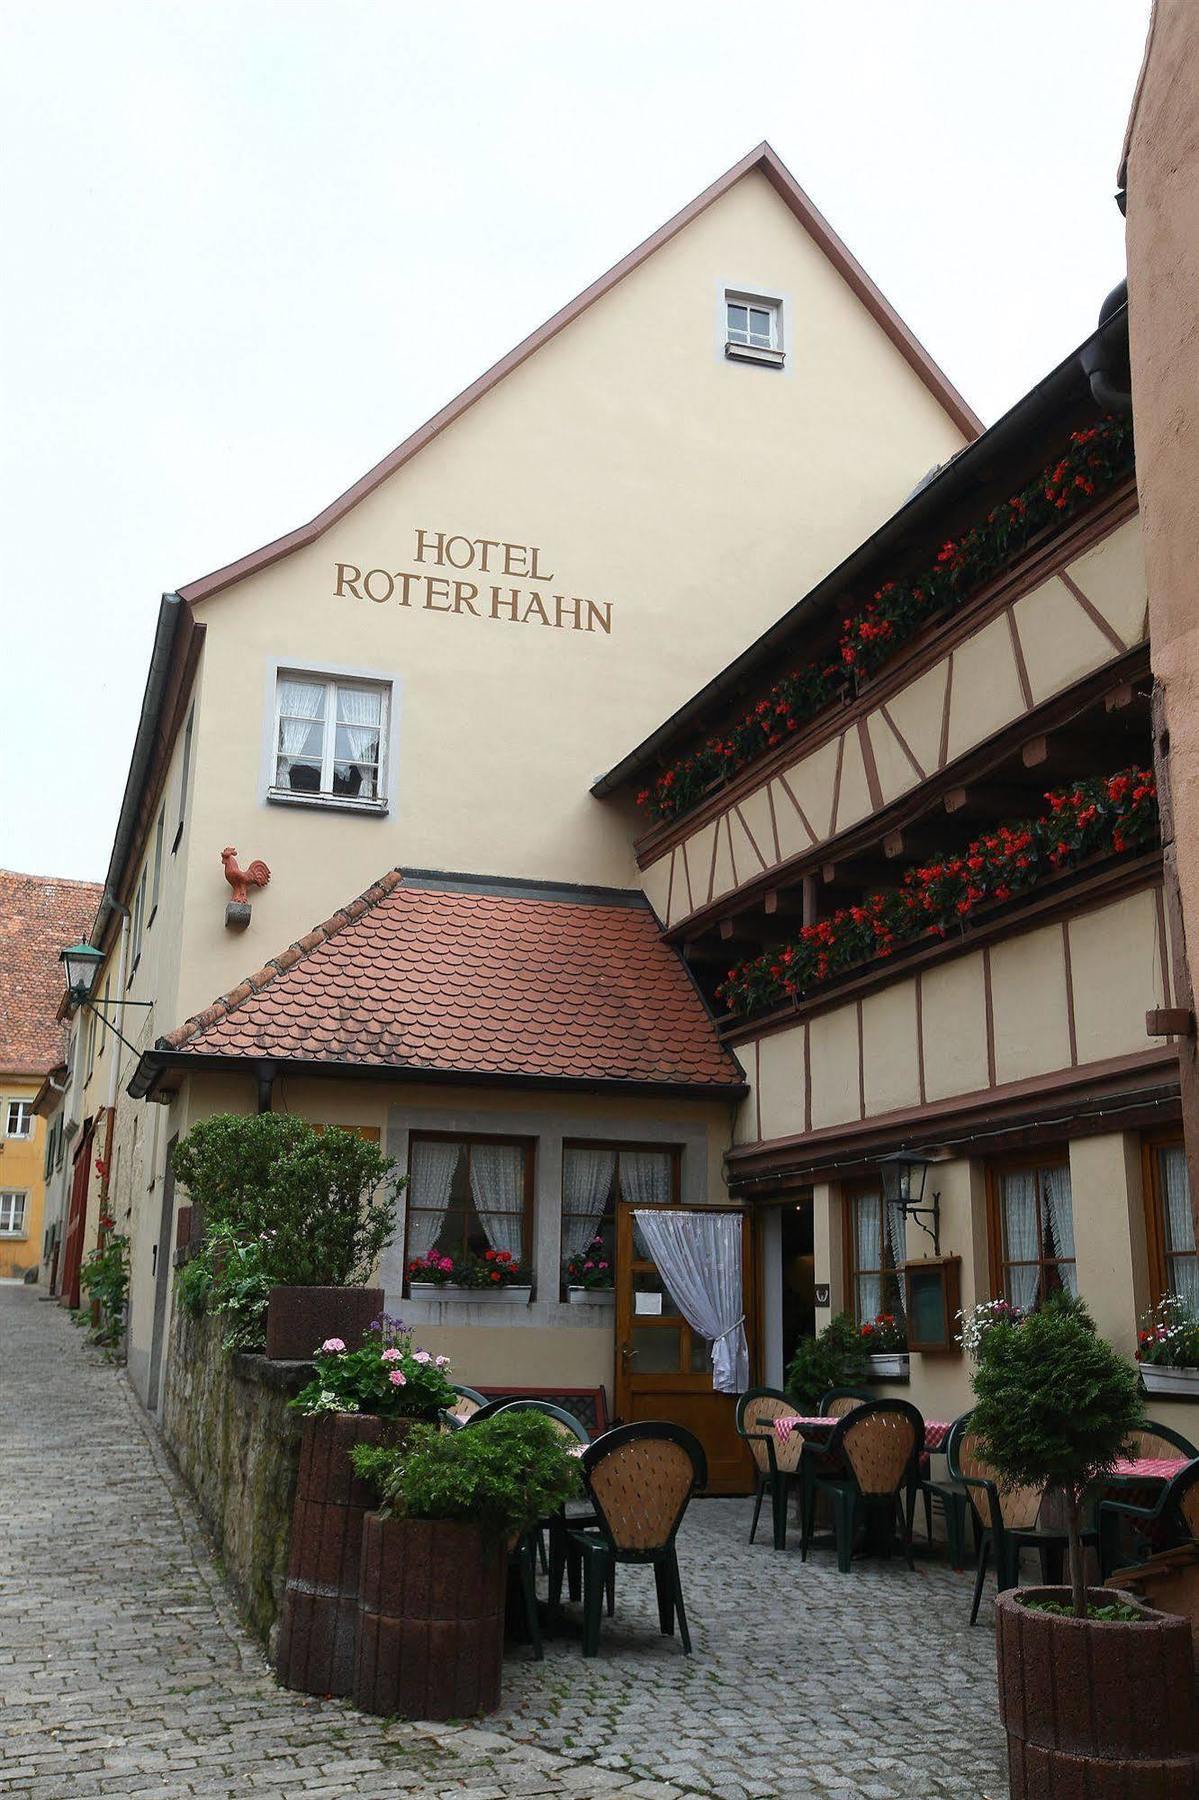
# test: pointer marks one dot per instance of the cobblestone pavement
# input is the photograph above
(124, 1670)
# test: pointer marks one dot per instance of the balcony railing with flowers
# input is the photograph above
(1100, 816)
(1093, 462)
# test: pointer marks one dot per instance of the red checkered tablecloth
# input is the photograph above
(935, 1430)
(1150, 1468)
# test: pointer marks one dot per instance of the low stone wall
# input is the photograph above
(227, 1423)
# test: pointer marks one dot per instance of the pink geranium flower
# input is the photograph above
(398, 1378)
(392, 1355)
(332, 1347)
(421, 1356)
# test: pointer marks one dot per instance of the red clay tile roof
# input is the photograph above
(475, 981)
(39, 916)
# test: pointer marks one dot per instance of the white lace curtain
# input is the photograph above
(698, 1255)
(645, 1177)
(358, 717)
(497, 1184)
(586, 1185)
(301, 703)
(1056, 1197)
(1020, 1236)
(1182, 1263)
(897, 1231)
(868, 1228)
(430, 1180)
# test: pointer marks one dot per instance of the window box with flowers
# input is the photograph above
(590, 1279)
(1168, 1349)
(496, 1275)
(886, 1345)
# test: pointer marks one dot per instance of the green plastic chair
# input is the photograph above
(876, 1451)
(1171, 1519)
(777, 1464)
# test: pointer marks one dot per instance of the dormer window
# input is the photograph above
(753, 329)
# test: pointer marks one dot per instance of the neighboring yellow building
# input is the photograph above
(38, 915)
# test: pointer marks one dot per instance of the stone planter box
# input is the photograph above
(890, 1365)
(1181, 1383)
(319, 1616)
(431, 1619)
(1096, 1709)
(299, 1319)
(429, 1290)
(581, 1296)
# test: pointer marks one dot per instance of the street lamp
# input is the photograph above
(81, 965)
(903, 1175)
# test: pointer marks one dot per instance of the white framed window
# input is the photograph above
(753, 328)
(12, 1212)
(330, 740)
(18, 1119)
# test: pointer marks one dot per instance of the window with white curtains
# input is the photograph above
(1033, 1229)
(877, 1248)
(595, 1176)
(1172, 1226)
(466, 1196)
(330, 738)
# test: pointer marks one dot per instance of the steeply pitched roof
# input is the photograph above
(453, 977)
(39, 916)
(761, 159)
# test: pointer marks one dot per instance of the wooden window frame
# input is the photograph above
(527, 1144)
(1157, 1255)
(1052, 1158)
(851, 1193)
(675, 1153)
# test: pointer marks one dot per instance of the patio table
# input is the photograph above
(935, 1430)
(1131, 1470)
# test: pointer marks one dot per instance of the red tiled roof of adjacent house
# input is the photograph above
(39, 916)
(464, 977)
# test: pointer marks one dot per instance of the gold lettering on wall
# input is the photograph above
(425, 591)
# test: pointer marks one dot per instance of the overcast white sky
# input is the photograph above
(250, 244)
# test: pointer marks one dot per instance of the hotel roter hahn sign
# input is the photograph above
(454, 579)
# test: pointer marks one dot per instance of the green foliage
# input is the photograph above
(242, 1279)
(1114, 1613)
(502, 1473)
(1169, 1335)
(193, 1286)
(322, 1203)
(386, 1376)
(1055, 1407)
(105, 1277)
(838, 1357)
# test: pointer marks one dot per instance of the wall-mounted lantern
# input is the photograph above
(904, 1173)
(81, 965)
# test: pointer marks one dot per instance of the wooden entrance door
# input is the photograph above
(76, 1220)
(663, 1368)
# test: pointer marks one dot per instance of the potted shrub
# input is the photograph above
(496, 1275)
(319, 1206)
(886, 1347)
(590, 1276)
(371, 1395)
(1168, 1348)
(434, 1560)
(838, 1357)
(1096, 1692)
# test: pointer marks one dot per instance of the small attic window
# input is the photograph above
(753, 329)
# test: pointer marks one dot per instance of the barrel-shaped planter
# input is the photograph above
(1098, 1710)
(431, 1619)
(319, 1617)
(300, 1319)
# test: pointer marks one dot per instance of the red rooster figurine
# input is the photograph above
(241, 880)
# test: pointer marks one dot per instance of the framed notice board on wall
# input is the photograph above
(932, 1295)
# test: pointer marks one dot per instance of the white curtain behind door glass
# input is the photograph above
(868, 1244)
(1055, 1192)
(301, 703)
(430, 1180)
(497, 1182)
(1020, 1236)
(699, 1259)
(1182, 1270)
(586, 1184)
(645, 1177)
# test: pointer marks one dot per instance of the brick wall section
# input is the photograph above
(227, 1422)
(39, 916)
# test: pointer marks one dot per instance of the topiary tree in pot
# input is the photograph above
(302, 1214)
(1095, 1693)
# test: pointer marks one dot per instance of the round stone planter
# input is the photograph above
(431, 1619)
(1096, 1709)
(488, 1296)
(889, 1365)
(319, 1617)
(299, 1319)
(581, 1296)
(1157, 1379)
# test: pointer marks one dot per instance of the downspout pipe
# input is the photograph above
(265, 1073)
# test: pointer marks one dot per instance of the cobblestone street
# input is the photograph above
(124, 1670)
